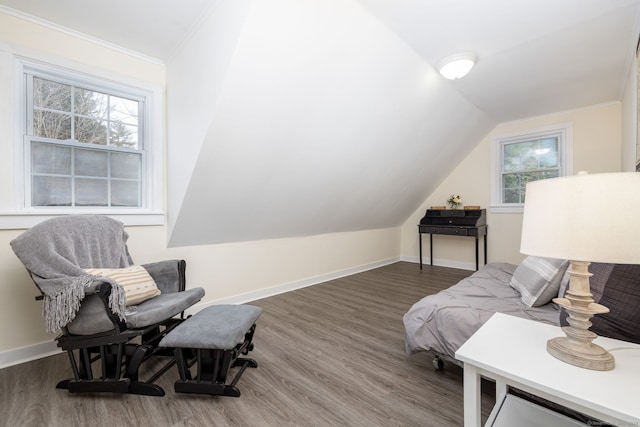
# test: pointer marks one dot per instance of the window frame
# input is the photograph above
(150, 136)
(564, 133)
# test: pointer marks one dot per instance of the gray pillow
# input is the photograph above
(538, 279)
(617, 287)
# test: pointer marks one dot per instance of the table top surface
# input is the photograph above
(516, 349)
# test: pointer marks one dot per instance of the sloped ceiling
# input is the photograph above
(299, 117)
(326, 122)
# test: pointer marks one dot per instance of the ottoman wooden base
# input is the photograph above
(212, 340)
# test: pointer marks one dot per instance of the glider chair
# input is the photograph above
(112, 314)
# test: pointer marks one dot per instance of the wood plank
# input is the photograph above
(330, 354)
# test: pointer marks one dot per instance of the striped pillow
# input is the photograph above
(538, 279)
(138, 285)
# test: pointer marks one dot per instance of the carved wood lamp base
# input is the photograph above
(590, 356)
(576, 347)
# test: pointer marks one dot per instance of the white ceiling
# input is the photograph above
(154, 28)
(534, 56)
(323, 116)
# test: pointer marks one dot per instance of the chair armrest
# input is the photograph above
(93, 287)
(94, 315)
(169, 275)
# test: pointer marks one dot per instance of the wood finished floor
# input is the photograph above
(329, 355)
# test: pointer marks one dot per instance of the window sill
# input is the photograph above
(506, 209)
(25, 220)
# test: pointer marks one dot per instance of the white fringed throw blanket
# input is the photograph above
(56, 251)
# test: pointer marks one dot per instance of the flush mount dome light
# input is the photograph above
(456, 66)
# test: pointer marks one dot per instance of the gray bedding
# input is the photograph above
(442, 322)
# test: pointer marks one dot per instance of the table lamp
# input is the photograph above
(584, 218)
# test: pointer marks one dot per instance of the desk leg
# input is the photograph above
(431, 249)
(420, 240)
(477, 264)
(485, 248)
(471, 377)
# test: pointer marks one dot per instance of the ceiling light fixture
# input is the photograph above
(456, 66)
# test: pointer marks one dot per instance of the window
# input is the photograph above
(528, 156)
(87, 145)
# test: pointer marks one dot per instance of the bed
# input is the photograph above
(442, 322)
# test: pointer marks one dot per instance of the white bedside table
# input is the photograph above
(513, 351)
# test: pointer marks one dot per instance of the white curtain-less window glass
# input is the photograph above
(85, 145)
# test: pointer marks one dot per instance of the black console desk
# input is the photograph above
(468, 222)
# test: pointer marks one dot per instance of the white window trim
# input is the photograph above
(564, 130)
(21, 216)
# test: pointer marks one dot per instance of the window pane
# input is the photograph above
(511, 180)
(125, 165)
(549, 143)
(125, 193)
(91, 192)
(90, 103)
(50, 159)
(512, 196)
(91, 163)
(91, 131)
(123, 135)
(548, 153)
(51, 125)
(51, 95)
(50, 191)
(529, 161)
(515, 155)
(123, 110)
(531, 155)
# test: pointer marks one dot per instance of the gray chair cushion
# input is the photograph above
(92, 318)
(162, 307)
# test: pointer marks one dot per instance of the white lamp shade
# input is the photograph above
(594, 218)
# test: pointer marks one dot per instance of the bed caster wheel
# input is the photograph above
(438, 363)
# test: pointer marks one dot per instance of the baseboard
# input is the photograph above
(292, 286)
(28, 353)
(37, 351)
(440, 262)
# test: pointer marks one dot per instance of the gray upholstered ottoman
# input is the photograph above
(215, 337)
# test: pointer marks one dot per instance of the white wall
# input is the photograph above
(630, 147)
(596, 148)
